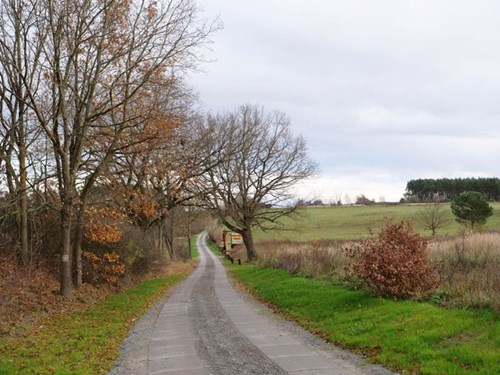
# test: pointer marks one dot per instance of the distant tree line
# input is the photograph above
(446, 189)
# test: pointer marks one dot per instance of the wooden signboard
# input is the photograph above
(237, 239)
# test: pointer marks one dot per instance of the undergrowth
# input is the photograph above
(466, 266)
(84, 342)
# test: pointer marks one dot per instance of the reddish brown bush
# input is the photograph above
(394, 264)
(106, 268)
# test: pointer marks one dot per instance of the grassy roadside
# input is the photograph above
(194, 248)
(85, 342)
(213, 246)
(407, 336)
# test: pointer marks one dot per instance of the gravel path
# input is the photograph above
(206, 327)
(218, 342)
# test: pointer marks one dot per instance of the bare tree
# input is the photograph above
(260, 162)
(19, 67)
(362, 199)
(434, 216)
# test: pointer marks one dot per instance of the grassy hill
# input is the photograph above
(351, 222)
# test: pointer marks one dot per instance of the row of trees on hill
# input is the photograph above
(446, 189)
(100, 135)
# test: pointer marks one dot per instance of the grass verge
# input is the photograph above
(85, 342)
(406, 336)
(214, 247)
(194, 248)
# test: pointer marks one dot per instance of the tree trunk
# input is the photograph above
(66, 279)
(163, 243)
(248, 240)
(159, 246)
(169, 239)
(77, 247)
(189, 236)
(23, 229)
(169, 235)
(23, 209)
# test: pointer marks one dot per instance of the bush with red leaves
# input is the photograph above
(394, 264)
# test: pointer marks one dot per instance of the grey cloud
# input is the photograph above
(409, 87)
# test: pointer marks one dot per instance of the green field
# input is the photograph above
(351, 222)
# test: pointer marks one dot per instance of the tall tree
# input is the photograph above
(259, 164)
(161, 173)
(97, 59)
(19, 72)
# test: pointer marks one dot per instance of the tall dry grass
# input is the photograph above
(468, 266)
(312, 259)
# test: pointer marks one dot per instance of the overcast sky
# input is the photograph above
(383, 91)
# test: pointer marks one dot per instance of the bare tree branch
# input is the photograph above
(258, 166)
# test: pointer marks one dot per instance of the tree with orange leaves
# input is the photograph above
(159, 174)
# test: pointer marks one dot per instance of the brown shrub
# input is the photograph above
(137, 249)
(394, 264)
(107, 268)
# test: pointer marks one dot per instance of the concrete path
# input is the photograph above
(206, 327)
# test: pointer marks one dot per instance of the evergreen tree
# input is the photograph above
(471, 208)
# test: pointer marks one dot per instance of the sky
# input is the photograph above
(383, 91)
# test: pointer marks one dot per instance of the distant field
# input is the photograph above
(351, 222)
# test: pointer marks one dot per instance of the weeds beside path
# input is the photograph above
(407, 336)
(86, 342)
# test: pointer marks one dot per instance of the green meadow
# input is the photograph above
(352, 222)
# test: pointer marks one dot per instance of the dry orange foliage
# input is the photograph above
(142, 206)
(107, 268)
(102, 225)
(102, 233)
(27, 297)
